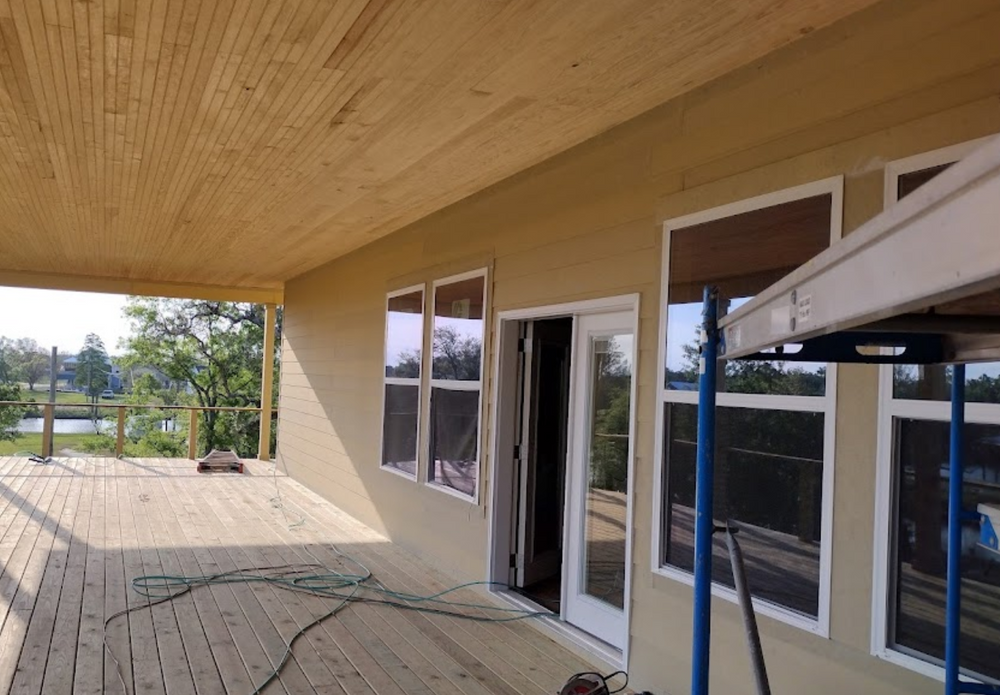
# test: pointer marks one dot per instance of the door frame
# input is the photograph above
(502, 400)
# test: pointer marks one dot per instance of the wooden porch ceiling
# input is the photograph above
(239, 143)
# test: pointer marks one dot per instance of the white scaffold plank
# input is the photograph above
(938, 245)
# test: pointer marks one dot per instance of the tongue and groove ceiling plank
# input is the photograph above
(242, 142)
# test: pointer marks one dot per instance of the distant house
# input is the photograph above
(66, 377)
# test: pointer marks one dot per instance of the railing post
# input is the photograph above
(120, 435)
(193, 435)
(266, 378)
(48, 418)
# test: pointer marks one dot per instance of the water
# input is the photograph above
(78, 426)
(65, 426)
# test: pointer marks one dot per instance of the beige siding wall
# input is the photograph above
(905, 77)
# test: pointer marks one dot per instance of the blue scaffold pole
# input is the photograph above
(705, 469)
(954, 582)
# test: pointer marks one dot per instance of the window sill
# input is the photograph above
(912, 663)
(473, 500)
(918, 665)
(401, 473)
(765, 608)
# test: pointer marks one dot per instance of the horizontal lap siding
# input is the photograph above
(587, 224)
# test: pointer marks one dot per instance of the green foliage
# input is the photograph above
(768, 462)
(10, 415)
(934, 383)
(93, 367)
(97, 444)
(31, 362)
(749, 376)
(456, 358)
(609, 439)
(216, 349)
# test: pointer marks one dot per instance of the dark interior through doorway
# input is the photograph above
(545, 351)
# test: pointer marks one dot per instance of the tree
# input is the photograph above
(10, 416)
(31, 361)
(456, 357)
(92, 367)
(611, 402)
(216, 348)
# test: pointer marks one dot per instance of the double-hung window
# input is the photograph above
(456, 383)
(404, 337)
(774, 436)
(912, 491)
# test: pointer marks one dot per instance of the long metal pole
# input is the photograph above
(955, 476)
(705, 470)
(749, 616)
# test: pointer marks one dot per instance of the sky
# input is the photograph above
(62, 319)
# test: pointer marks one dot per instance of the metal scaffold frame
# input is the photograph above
(886, 294)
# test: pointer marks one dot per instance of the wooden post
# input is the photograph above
(120, 437)
(193, 435)
(266, 378)
(48, 414)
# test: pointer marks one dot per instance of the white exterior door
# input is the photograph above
(595, 579)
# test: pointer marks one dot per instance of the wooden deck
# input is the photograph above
(74, 533)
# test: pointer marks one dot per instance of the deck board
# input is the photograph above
(73, 534)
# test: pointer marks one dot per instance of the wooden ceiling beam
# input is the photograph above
(179, 290)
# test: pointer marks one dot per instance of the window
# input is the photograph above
(920, 522)
(456, 383)
(404, 337)
(774, 429)
(911, 541)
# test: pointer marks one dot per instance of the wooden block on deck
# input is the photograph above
(220, 462)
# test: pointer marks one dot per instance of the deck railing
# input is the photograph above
(122, 409)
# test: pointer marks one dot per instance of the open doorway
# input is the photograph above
(562, 451)
(545, 350)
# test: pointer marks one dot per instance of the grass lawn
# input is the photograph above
(67, 397)
(33, 443)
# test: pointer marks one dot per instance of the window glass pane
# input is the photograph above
(458, 330)
(769, 480)
(737, 376)
(742, 255)
(607, 475)
(909, 182)
(399, 429)
(933, 382)
(404, 335)
(454, 439)
(920, 539)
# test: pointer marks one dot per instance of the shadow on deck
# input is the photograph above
(73, 534)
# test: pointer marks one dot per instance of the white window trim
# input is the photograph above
(826, 404)
(889, 409)
(400, 381)
(456, 385)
